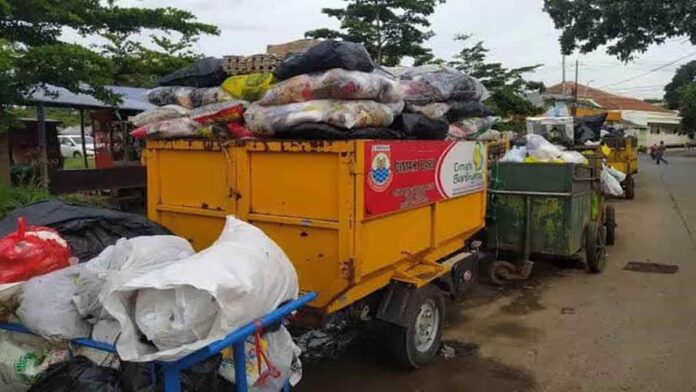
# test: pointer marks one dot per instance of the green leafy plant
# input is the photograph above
(389, 29)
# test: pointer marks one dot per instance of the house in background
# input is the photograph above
(648, 122)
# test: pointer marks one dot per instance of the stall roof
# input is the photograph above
(132, 98)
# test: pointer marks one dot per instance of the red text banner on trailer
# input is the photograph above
(407, 174)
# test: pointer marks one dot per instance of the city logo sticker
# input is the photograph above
(381, 173)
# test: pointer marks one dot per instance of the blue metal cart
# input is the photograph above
(172, 370)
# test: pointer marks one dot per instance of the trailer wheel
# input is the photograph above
(500, 272)
(595, 250)
(630, 185)
(417, 343)
(610, 224)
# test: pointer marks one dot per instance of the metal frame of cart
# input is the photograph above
(172, 370)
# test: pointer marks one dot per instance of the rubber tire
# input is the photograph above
(496, 268)
(610, 224)
(401, 340)
(595, 250)
(76, 155)
(630, 185)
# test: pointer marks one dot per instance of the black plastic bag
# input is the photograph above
(202, 377)
(206, 72)
(80, 375)
(463, 109)
(324, 56)
(313, 131)
(419, 126)
(88, 230)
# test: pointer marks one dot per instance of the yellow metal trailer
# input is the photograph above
(624, 157)
(369, 225)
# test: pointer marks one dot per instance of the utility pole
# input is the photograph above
(564, 77)
(575, 89)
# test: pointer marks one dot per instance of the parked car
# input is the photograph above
(71, 146)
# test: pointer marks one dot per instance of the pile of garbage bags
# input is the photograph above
(448, 97)
(332, 90)
(536, 149)
(154, 298)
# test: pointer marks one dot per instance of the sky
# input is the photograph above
(517, 32)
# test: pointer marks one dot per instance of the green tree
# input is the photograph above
(139, 66)
(506, 85)
(685, 74)
(33, 52)
(625, 26)
(687, 108)
(389, 29)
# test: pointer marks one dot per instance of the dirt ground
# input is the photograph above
(566, 330)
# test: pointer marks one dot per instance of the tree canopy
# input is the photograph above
(389, 29)
(685, 74)
(687, 108)
(506, 85)
(34, 52)
(627, 27)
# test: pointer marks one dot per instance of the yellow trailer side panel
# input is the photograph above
(310, 199)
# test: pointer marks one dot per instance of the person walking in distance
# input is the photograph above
(659, 154)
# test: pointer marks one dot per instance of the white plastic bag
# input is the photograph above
(541, 149)
(281, 353)
(610, 185)
(122, 261)
(516, 154)
(46, 306)
(573, 157)
(618, 174)
(244, 271)
(175, 317)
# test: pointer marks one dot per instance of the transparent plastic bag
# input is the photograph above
(574, 157)
(188, 97)
(334, 84)
(433, 111)
(448, 82)
(178, 127)
(222, 112)
(517, 154)
(541, 149)
(167, 112)
(267, 120)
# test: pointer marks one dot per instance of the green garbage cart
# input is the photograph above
(548, 209)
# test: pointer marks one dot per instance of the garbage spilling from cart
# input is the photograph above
(148, 299)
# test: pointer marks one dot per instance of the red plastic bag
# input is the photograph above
(31, 251)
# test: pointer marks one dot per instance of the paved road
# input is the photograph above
(567, 330)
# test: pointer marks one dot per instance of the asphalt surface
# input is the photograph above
(566, 330)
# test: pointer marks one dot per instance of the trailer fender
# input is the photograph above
(394, 303)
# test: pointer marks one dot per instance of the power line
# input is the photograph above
(651, 71)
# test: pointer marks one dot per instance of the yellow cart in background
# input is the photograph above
(377, 228)
(624, 157)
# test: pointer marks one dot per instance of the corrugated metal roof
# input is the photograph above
(132, 98)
